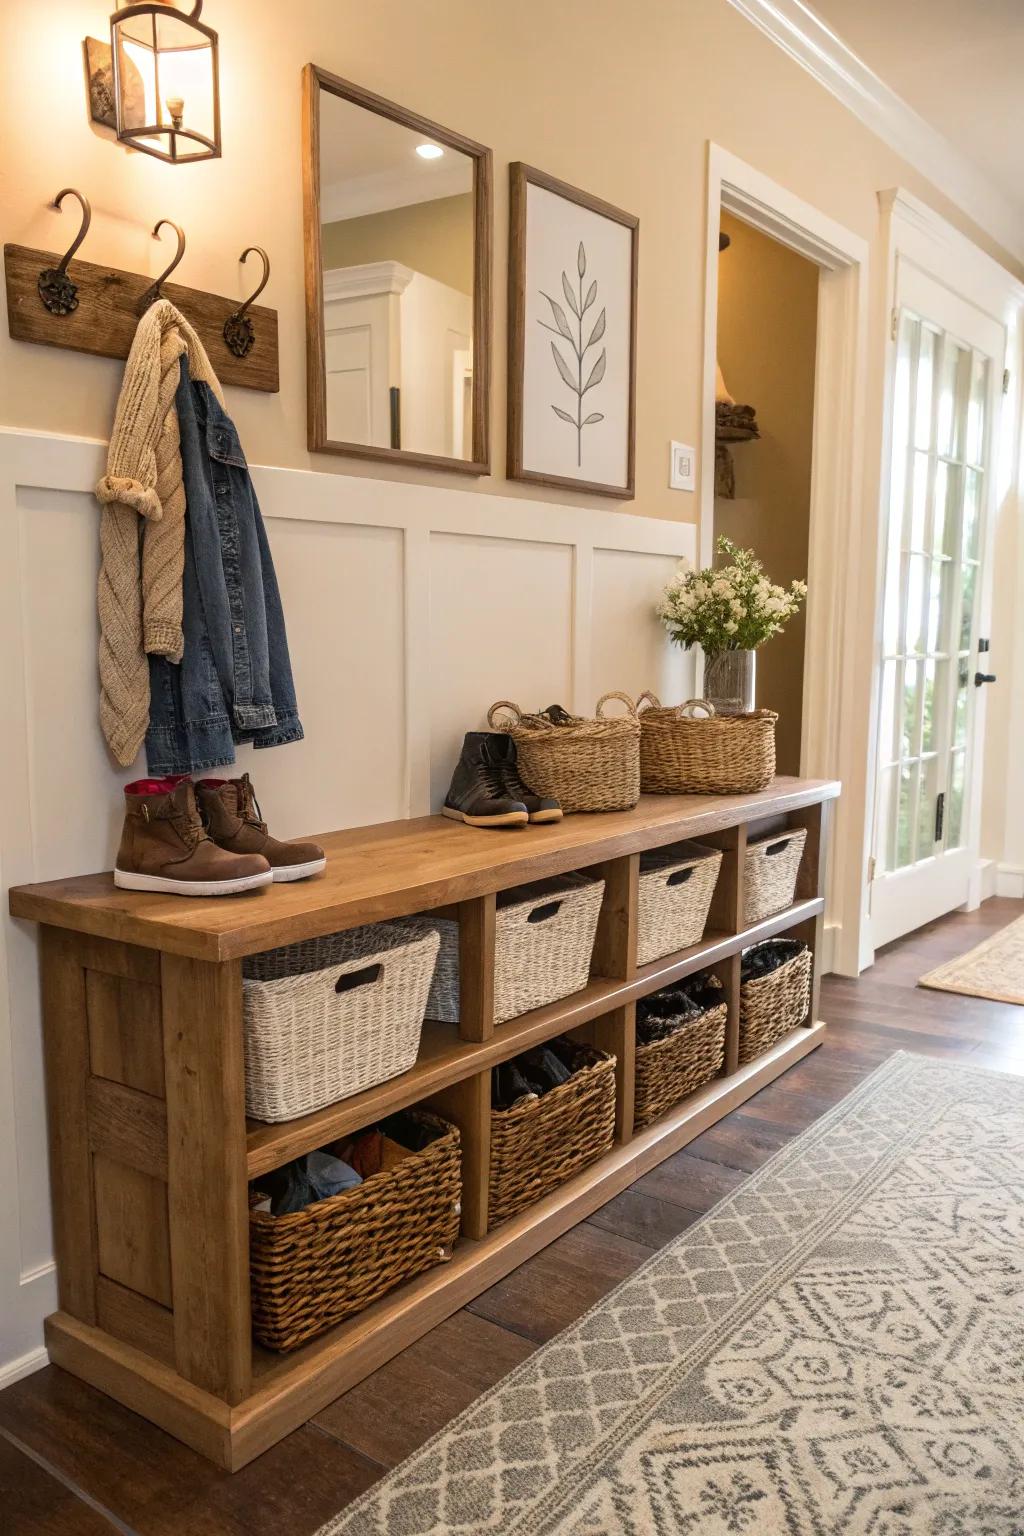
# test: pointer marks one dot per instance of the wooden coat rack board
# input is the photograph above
(106, 312)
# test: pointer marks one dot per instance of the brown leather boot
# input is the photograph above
(236, 823)
(165, 847)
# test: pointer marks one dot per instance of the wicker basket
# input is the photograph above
(588, 765)
(682, 753)
(543, 940)
(538, 1145)
(772, 864)
(667, 1070)
(315, 1267)
(329, 1017)
(676, 887)
(772, 1005)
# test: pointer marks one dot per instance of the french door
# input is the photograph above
(935, 659)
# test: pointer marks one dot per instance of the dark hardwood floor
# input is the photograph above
(74, 1463)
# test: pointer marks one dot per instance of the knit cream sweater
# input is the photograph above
(140, 603)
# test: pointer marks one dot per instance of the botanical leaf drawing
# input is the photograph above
(572, 377)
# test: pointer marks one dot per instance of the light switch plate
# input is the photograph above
(682, 473)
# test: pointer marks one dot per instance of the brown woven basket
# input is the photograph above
(588, 765)
(682, 753)
(312, 1268)
(538, 1145)
(674, 897)
(772, 865)
(667, 1070)
(772, 1005)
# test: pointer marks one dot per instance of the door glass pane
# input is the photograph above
(905, 817)
(944, 515)
(923, 393)
(919, 504)
(972, 513)
(916, 613)
(968, 584)
(926, 811)
(955, 801)
(960, 704)
(975, 444)
(932, 670)
(955, 362)
(911, 709)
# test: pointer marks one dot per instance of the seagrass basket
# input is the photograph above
(313, 1268)
(772, 865)
(674, 897)
(543, 940)
(667, 1070)
(329, 1017)
(684, 753)
(588, 765)
(773, 1004)
(536, 1146)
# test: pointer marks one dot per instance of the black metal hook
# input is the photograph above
(57, 291)
(154, 292)
(239, 334)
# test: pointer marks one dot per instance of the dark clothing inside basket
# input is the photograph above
(664, 1012)
(762, 959)
(534, 1074)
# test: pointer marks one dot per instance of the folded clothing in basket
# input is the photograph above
(534, 1073)
(345, 1164)
(662, 1013)
(761, 959)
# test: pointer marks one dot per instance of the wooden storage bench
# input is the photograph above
(151, 1155)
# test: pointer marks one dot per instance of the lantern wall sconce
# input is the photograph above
(157, 82)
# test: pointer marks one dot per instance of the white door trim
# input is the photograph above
(916, 235)
(833, 746)
(805, 38)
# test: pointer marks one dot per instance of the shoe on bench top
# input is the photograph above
(477, 794)
(235, 821)
(165, 847)
(501, 750)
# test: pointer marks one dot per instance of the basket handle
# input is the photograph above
(647, 700)
(349, 981)
(517, 714)
(688, 711)
(544, 913)
(625, 699)
(679, 876)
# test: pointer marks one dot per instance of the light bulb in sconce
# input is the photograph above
(176, 107)
(429, 151)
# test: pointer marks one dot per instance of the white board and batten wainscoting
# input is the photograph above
(410, 609)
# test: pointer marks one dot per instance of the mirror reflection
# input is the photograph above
(397, 248)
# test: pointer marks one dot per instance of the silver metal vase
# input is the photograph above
(729, 681)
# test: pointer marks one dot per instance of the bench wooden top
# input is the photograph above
(393, 869)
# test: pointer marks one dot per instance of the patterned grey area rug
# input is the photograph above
(838, 1347)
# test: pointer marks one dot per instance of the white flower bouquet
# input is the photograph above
(733, 608)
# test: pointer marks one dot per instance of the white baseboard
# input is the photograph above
(14, 1370)
(1009, 881)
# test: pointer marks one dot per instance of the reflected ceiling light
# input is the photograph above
(429, 151)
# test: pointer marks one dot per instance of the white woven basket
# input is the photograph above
(676, 887)
(772, 865)
(331, 1016)
(543, 941)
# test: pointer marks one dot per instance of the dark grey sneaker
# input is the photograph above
(501, 750)
(477, 794)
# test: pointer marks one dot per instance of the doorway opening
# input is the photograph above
(767, 327)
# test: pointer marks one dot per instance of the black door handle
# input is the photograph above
(983, 677)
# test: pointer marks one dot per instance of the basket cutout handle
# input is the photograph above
(514, 710)
(349, 981)
(647, 700)
(623, 697)
(779, 847)
(679, 876)
(688, 711)
(544, 913)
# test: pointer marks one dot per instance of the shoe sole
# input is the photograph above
(127, 881)
(507, 819)
(281, 872)
(539, 816)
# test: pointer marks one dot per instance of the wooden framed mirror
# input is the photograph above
(398, 236)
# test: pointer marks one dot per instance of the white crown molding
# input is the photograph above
(794, 28)
(383, 191)
(940, 248)
(366, 281)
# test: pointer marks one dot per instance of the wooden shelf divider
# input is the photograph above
(151, 1155)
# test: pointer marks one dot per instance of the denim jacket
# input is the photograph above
(234, 681)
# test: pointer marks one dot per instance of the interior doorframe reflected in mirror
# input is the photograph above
(314, 82)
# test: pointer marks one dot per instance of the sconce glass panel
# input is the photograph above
(166, 85)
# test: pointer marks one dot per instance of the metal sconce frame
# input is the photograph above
(134, 136)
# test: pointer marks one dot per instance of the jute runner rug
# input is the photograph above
(994, 969)
(838, 1347)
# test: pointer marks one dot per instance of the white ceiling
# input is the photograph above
(958, 63)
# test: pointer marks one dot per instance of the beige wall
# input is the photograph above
(434, 238)
(767, 327)
(649, 84)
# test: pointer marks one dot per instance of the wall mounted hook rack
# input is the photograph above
(58, 293)
(239, 332)
(56, 301)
